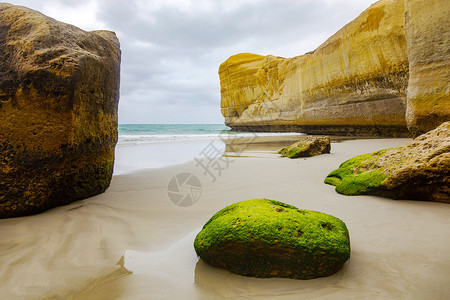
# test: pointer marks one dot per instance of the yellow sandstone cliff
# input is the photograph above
(355, 83)
(427, 26)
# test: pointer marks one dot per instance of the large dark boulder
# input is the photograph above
(59, 91)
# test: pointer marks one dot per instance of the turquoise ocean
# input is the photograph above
(144, 146)
(161, 133)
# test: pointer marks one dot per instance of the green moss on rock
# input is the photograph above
(351, 179)
(418, 170)
(267, 238)
(306, 147)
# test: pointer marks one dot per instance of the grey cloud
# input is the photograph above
(170, 57)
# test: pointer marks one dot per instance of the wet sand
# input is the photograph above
(132, 242)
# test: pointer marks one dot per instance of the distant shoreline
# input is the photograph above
(162, 145)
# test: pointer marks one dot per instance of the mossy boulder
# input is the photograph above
(267, 238)
(419, 170)
(307, 146)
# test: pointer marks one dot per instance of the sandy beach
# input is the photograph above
(132, 242)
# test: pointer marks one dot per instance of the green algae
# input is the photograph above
(295, 152)
(357, 176)
(306, 147)
(267, 238)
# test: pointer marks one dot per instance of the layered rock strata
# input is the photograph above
(427, 27)
(59, 91)
(355, 83)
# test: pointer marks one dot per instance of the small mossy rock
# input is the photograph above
(307, 146)
(267, 238)
(419, 170)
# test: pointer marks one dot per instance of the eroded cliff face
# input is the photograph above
(427, 27)
(59, 91)
(353, 84)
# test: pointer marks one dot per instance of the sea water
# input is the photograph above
(143, 146)
(130, 134)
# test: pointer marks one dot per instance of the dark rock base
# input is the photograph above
(338, 130)
(70, 175)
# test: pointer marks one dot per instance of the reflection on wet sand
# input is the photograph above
(270, 143)
(399, 248)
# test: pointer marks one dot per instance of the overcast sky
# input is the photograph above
(172, 49)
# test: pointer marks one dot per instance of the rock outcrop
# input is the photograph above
(267, 238)
(307, 146)
(355, 83)
(427, 27)
(419, 170)
(59, 91)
